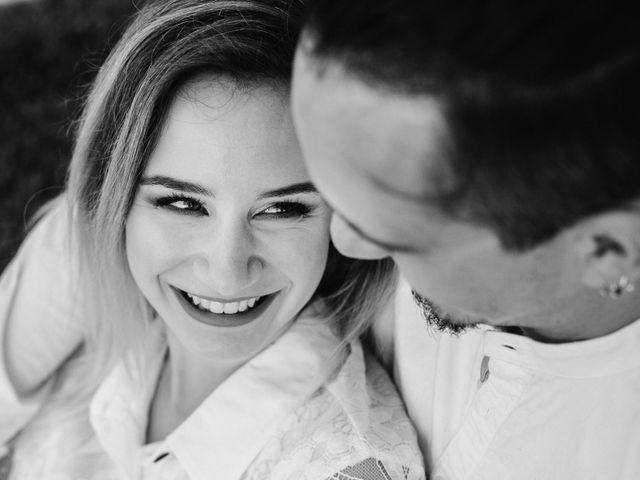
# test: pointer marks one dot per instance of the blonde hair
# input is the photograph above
(168, 43)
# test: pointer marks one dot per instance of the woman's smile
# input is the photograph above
(221, 313)
(220, 306)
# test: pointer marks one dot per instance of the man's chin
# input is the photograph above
(440, 320)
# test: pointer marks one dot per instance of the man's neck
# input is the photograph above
(581, 319)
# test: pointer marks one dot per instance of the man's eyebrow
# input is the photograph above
(379, 243)
(304, 187)
(176, 184)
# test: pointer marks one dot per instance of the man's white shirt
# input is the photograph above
(494, 405)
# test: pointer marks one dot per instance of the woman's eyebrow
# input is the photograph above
(176, 184)
(305, 187)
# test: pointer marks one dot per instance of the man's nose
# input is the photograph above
(227, 260)
(351, 244)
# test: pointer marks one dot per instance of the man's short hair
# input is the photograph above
(542, 98)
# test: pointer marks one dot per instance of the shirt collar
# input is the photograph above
(119, 408)
(607, 355)
(230, 427)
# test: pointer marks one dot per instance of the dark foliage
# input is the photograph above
(50, 51)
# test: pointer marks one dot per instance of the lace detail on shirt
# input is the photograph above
(369, 469)
(364, 435)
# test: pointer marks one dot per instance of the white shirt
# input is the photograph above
(301, 409)
(283, 415)
(534, 411)
(40, 325)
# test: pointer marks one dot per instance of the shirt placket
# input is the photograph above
(500, 389)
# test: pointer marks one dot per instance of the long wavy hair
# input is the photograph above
(168, 43)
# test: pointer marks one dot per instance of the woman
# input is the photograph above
(223, 339)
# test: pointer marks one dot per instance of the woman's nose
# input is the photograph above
(227, 261)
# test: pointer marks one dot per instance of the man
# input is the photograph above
(492, 149)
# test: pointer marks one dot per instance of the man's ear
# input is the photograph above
(609, 247)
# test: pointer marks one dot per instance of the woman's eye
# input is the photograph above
(181, 204)
(285, 210)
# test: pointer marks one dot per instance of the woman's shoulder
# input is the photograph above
(39, 323)
(371, 410)
(354, 425)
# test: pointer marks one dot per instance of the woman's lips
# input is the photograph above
(212, 315)
(228, 307)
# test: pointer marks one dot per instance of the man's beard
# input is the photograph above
(438, 319)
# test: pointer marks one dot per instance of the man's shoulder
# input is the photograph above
(49, 237)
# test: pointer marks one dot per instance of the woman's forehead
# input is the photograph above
(223, 136)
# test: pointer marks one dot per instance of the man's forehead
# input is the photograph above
(396, 139)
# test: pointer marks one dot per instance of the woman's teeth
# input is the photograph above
(223, 307)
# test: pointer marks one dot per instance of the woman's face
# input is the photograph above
(227, 239)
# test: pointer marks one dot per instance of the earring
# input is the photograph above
(618, 289)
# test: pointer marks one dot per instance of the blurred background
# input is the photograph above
(50, 50)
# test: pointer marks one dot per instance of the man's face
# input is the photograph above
(378, 157)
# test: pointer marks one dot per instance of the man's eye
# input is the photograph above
(285, 210)
(181, 204)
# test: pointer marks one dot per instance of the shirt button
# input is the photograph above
(160, 457)
(484, 371)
